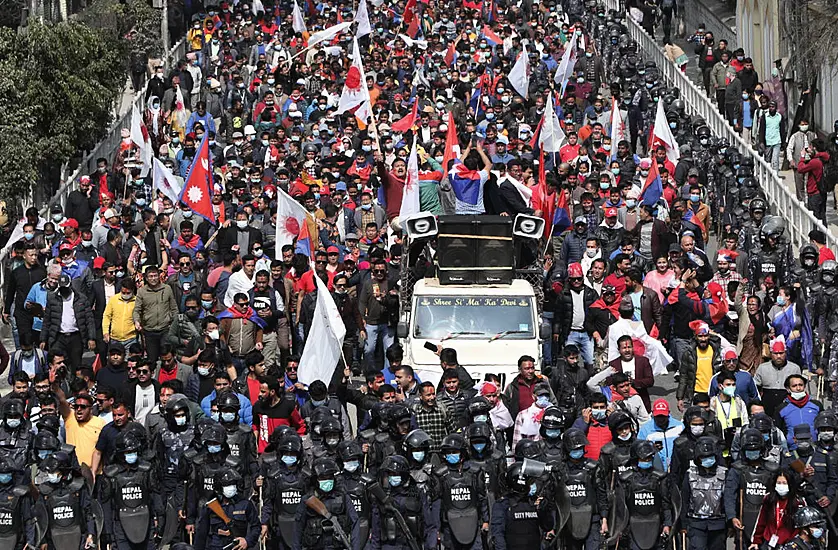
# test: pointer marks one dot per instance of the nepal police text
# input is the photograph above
(644, 499)
(461, 493)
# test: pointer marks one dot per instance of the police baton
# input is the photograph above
(320, 509)
(377, 491)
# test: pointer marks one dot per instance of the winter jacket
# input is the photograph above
(573, 248)
(564, 310)
(118, 320)
(155, 308)
(689, 365)
(52, 317)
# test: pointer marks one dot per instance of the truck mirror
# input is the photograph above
(401, 329)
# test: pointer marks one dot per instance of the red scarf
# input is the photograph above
(245, 317)
(798, 402)
(613, 308)
(192, 243)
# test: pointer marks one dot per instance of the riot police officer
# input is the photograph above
(774, 256)
(64, 506)
(749, 234)
(585, 493)
(479, 410)
(206, 465)
(350, 459)
(240, 438)
(522, 520)
(315, 532)
(15, 437)
(240, 529)
(811, 527)
(45, 443)
(131, 502)
(420, 512)
(398, 421)
(614, 455)
(695, 427)
(646, 493)
(464, 508)
(16, 526)
(483, 457)
(417, 449)
(552, 424)
(703, 497)
(819, 480)
(286, 480)
(748, 481)
(331, 434)
(171, 441)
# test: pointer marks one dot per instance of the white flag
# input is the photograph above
(298, 22)
(328, 34)
(323, 347)
(140, 138)
(290, 217)
(551, 137)
(166, 182)
(363, 20)
(519, 76)
(410, 195)
(661, 132)
(618, 132)
(355, 93)
(566, 66)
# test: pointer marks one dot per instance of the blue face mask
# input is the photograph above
(452, 458)
(5, 479)
(479, 447)
(289, 460)
(326, 485)
(552, 434)
(817, 532)
(351, 466)
(766, 437)
(542, 401)
(418, 456)
(599, 414)
(708, 461)
(394, 481)
(318, 402)
(44, 454)
(481, 418)
(206, 304)
(644, 464)
(228, 416)
(533, 489)
(13, 422)
(215, 415)
(576, 454)
(213, 449)
(752, 455)
(131, 458)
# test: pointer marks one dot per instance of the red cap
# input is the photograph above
(65, 246)
(778, 345)
(730, 354)
(98, 262)
(488, 387)
(574, 270)
(333, 250)
(70, 222)
(611, 212)
(660, 408)
(699, 327)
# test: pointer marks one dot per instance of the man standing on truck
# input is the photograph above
(374, 302)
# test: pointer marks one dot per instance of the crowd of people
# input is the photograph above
(156, 395)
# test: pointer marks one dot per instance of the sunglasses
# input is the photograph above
(379, 272)
(81, 407)
(319, 262)
(185, 264)
(242, 304)
(292, 369)
(340, 286)
(144, 371)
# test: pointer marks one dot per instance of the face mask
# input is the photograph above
(180, 420)
(553, 434)
(817, 532)
(599, 414)
(533, 489)
(29, 236)
(625, 437)
(289, 460)
(203, 371)
(187, 214)
(804, 127)
(673, 125)
(631, 203)
(744, 96)
(318, 402)
(605, 186)
(697, 430)
(798, 395)
(131, 458)
(44, 454)
(53, 477)
(781, 300)
(644, 464)
(230, 491)
(694, 198)
(366, 206)
(213, 449)
(591, 253)
(57, 217)
(394, 481)
(418, 456)
(729, 391)
(782, 489)
(615, 171)
(452, 458)
(576, 454)
(13, 422)
(826, 437)
(542, 401)
(241, 224)
(228, 416)
(708, 461)
(752, 455)
(332, 441)
(5, 479)
(481, 418)
(351, 466)
(326, 485)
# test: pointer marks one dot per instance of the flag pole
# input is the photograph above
(549, 239)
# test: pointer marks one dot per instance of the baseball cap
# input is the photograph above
(333, 250)
(693, 172)
(351, 237)
(70, 222)
(611, 212)
(580, 219)
(730, 354)
(98, 263)
(660, 408)
(110, 213)
(65, 246)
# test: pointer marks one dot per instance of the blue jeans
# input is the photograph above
(585, 343)
(772, 155)
(547, 346)
(387, 336)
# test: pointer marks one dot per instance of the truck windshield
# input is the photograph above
(473, 317)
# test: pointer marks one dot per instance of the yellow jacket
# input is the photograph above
(118, 321)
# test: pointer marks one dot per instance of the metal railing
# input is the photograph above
(799, 219)
(108, 145)
(696, 12)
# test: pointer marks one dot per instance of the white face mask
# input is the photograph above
(241, 224)
(782, 489)
(230, 491)
(213, 334)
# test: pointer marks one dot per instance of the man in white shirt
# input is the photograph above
(242, 280)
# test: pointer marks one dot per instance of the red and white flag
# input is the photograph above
(290, 219)
(355, 96)
(410, 195)
(197, 187)
(166, 182)
(140, 138)
(519, 75)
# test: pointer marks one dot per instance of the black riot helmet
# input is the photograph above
(49, 423)
(642, 449)
(618, 420)
(478, 408)
(229, 477)
(399, 418)
(278, 435)
(348, 451)
(396, 465)
(379, 414)
(752, 440)
(826, 420)
(454, 443)
(809, 257)
(552, 423)
(179, 404)
(325, 468)
(772, 228)
(331, 431)
(574, 439)
(318, 415)
(291, 444)
(46, 441)
(757, 204)
(808, 516)
(516, 481)
(527, 448)
(214, 435)
(417, 446)
(704, 447)
(829, 269)
(228, 402)
(127, 442)
(479, 437)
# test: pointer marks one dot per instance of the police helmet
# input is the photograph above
(573, 439)
(829, 269)
(127, 442)
(49, 423)
(395, 465)
(516, 481)
(214, 434)
(349, 450)
(417, 440)
(325, 468)
(479, 406)
(826, 420)
(705, 446)
(807, 516)
(752, 440)
(617, 420)
(228, 401)
(527, 448)
(642, 449)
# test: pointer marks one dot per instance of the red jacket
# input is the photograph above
(814, 168)
(768, 524)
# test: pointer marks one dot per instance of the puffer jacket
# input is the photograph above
(689, 365)
(54, 310)
(564, 310)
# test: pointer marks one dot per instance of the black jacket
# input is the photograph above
(228, 238)
(82, 208)
(52, 317)
(564, 310)
(20, 282)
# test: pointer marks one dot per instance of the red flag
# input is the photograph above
(406, 123)
(451, 55)
(197, 188)
(409, 11)
(473, 4)
(451, 142)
